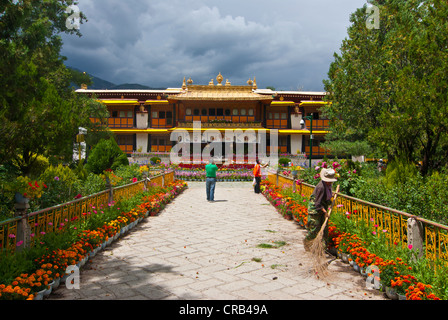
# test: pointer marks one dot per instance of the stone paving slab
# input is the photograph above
(197, 250)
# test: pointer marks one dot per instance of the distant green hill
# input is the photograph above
(101, 84)
(130, 86)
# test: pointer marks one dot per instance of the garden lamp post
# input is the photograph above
(311, 133)
(80, 138)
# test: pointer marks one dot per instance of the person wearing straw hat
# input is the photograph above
(319, 202)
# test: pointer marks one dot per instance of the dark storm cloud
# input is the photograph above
(286, 44)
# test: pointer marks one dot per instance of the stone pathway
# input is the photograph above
(196, 250)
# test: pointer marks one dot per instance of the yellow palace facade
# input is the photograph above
(142, 120)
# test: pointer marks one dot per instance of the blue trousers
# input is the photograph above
(210, 188)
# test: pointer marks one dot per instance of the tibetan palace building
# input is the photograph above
(142, 120)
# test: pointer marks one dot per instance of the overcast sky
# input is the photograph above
(287, 44)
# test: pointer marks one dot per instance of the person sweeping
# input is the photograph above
(318, 213)
(318, 204)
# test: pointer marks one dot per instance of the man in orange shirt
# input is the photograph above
(257, 175)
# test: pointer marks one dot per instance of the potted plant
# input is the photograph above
(388, 272)
(402, 283)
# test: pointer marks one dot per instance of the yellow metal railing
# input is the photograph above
(128, 191)
(58, 218)
(393, 222)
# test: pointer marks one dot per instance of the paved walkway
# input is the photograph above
(198, 250)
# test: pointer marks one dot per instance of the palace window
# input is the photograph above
(235, 112)
(251, 112)
(125, 142)
(188, 112)
(169, 118)
(227, 112)
(161, 119)
(243, 112)
(196, 112)
(212, 112)
(121, 117)
(203, 112)
(219, 112)
(277, 120)
(160, 144)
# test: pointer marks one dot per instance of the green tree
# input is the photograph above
(389, 86)
(40, 112)
(106, 155)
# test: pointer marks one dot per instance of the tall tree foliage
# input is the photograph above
(389, 86)
(39, 111)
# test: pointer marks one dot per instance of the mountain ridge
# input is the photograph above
(101, 84)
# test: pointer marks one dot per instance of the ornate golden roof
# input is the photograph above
(219, 92)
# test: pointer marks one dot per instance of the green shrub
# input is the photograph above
(155, 160)
(35, 169)
(106, 155)
(61, 173)
(80, 170)
(93, 184)
(128, 173)
(284, 161)
(399, 171)
(7, 175)
(61, 183)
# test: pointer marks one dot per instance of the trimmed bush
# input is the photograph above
(106, 155)
(284, 161)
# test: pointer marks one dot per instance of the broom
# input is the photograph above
(317, 245)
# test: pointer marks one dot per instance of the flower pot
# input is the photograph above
(56, 283)
(39, 295)
(356, 267)
(363, 271)
(64, 277)
(47, 291)
(401, 296)
(391, 293)
(344, 257)
(92, 253)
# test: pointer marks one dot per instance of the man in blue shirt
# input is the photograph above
(210, 180)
